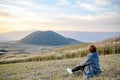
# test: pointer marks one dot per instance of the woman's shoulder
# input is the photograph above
(94, 54)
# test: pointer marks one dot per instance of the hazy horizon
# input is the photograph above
(78, 35)
(56, 31)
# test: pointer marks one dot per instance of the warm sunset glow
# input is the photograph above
(63, 15)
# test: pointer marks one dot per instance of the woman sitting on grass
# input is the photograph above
(90, 67)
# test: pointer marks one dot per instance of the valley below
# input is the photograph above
(16, 50)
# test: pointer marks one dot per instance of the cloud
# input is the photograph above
(12, 9)
(36, 6)
(106, 22)
(95, 5)
(6, 14)
(42, 16)
(102, 2)
(89, 6)
(64, 2)
(25, 8)
(13, 13)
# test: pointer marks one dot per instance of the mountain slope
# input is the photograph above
(47, 38)
(77, 35)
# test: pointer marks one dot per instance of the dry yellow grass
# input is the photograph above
(56, 69)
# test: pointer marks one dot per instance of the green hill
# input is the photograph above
(47, 38)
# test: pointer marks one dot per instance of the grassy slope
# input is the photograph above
(56, 70)
(109, 46)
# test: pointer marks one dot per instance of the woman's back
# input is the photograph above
(93, 67)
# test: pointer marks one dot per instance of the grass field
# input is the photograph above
(56, 69)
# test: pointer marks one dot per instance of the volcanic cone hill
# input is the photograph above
(47, 38)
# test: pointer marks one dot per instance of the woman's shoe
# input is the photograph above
(69, 71)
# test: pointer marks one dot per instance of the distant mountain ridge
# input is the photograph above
(77, 35)
(47, 38)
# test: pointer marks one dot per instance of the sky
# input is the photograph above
(60, 15)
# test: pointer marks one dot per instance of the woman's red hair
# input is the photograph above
(92, 48)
